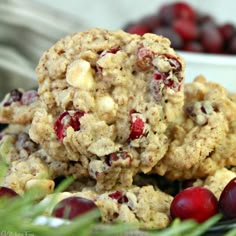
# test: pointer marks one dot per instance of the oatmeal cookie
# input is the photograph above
(21, 168)
(216, 182)
(203, 140)
(107, 98)
(143, 205)
(18, 107)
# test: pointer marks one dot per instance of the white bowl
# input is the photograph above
(217, 68)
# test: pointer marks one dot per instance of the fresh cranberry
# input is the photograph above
(166, 14)
(72, 207)
(137, 126)
(227, 31)
(7, 192)
(119, 196)
(139, 29)
(14, 96)
(184, 11)
(197, 203)
(232, 45)
(227, 203)
(151, 21)
(29, 97)
(65, 120)
(205, 20)
(186, 29)
(179, 10)
(212, 40)
(174, 37)
(193, 46)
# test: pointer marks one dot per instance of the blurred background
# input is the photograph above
(114, 14)
(29, 27)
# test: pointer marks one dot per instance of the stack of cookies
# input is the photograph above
(112, 111)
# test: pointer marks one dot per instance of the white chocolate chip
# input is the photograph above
(107, 108)
(43, 186)
(105, 104)
(80, 75)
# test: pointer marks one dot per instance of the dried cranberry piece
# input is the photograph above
(116, 195)
(144, 58)
(65, 120)
(113, 157)
(174, 62)
(119, 196)
(113, 50)
(137, 126)
(14, 96)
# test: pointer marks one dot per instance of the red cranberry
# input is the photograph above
(119, 196)
(144, 58)
(227, 31)
(186, 29)
(166, 14)
(14, 96)
(113, 157)
(151, 21)
(136, 127)
(195, 203)
(139, 29)
(111, 50)
(212, 40)
(65, 120)
(232, 45)
(227, 203)
(72, 207)
(184, 11)
(7, 192)
(174, 62)
(179, 10)
(193, 46)
(205, 20)
(174, 37)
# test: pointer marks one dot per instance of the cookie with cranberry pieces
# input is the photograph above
(107, 98)
(18, 107)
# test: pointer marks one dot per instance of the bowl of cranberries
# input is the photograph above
(207, 45)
